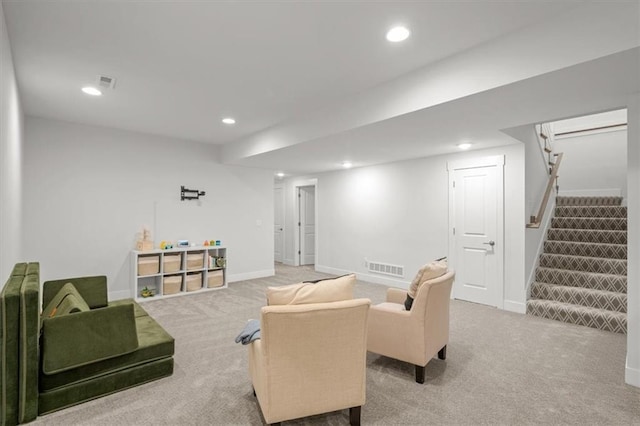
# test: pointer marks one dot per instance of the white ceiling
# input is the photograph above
(181, 66)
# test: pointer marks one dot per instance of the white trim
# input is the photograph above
(604, 192)
(120, 294)
(632, 375)
(365, 277)
(513, 306)
(473, 163)
(296, 217)
(280, 185)
(496, 161)
(289, 262)
(231, 278)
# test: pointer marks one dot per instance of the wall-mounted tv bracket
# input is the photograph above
(190, 194)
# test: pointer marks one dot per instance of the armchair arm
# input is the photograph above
(395, 333)
(396, 295)
(92, 289)
(83, 338)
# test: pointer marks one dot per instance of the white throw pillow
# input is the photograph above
(324, 291)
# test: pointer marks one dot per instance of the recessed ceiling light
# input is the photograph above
(280, 174)
(397, 34)
(464, 146)
(91, 91)
(347, 164)
(229, 120)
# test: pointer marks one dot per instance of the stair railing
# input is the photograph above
(536, 220)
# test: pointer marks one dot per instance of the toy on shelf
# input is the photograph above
(146, 292)
(144, 240)
(165, 245)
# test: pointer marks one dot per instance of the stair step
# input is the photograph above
(588, 236)
(605, 223)
(588, 201)
(591, 211)
(600, 299)
(610, 251)
(593, 280)
(585, 264)
(580, 315)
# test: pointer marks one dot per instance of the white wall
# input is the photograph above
(89, 190)
(11, 158)
(632, 375)
(536, 179)
(604, 152)
(398, 213)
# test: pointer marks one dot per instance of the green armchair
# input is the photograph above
(84, 346)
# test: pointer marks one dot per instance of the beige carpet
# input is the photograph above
(501, 368)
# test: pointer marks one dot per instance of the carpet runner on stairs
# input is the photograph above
(582, 273)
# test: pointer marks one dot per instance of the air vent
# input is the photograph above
(386, 269)
(106, 82)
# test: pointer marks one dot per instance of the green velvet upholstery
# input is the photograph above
(139, 310)
(9, 347)
(154, 343)
(67, 300)
(104, 385)
(83, 338)
(29, 333)
(92, 289)
(76, 357)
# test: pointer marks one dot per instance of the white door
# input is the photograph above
(307, 224)
(476, 200)
(278, 225)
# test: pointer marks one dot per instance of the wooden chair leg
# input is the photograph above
(420, 374)
(443, 353)
(354, 415)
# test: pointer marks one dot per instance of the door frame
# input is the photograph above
(296, 218)
(496, 161)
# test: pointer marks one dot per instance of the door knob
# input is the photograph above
(491, 243)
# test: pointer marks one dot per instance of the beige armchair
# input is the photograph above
(413, 336)
(310, 359)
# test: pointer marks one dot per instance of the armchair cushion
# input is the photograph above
(94, 336)
(66, 301)
(431, 270)
(325, 291)
(92, 289)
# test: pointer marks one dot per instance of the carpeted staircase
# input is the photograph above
(582, 274)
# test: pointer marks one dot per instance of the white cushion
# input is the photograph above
(330, 290)
(431, 270)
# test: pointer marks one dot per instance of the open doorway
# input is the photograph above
(306, 196)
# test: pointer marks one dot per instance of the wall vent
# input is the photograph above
(106, 82)
(386, 269)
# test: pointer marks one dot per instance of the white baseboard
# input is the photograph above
(632, 376)
(289, 262)
(231, 278)
(604, 192)
(364, 277)
(513, 306)
(120, 294)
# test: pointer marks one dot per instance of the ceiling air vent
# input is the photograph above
(106, 82)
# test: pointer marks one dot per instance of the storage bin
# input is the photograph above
(215, 279)
(171, 262)
(148, 265)
(172, 284)
(195, 261)
(194, 281)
